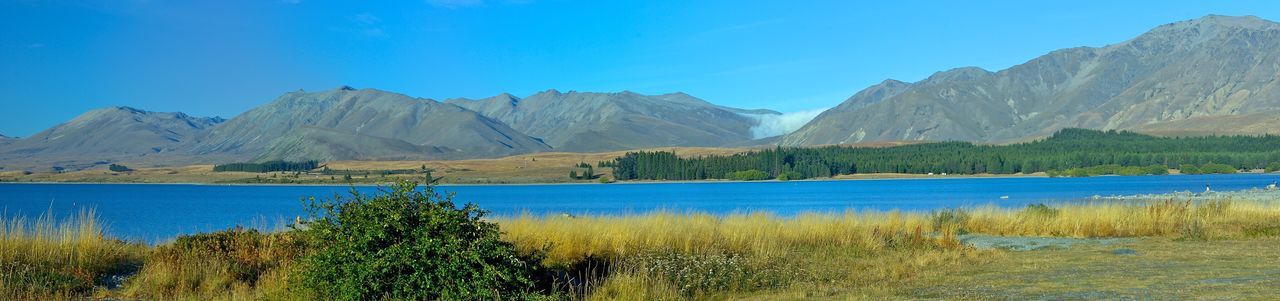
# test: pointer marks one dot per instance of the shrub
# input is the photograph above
(748, 175)
(1157, 170)
(408, 243)
(268, 166)
(1189, 169)
(1273, 167)
(788, 176)
(1208, 168)
(118, 168)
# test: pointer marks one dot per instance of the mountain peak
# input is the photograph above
(345, 88)
(1246, 22)
(506, 98)
(962, 73)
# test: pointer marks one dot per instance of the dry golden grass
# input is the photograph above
(47, 258)
(843, 254)
(233, 264)
(680, 256)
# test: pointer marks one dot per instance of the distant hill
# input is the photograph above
(1179, 76)
(115, 133)
(592, 122)
(365, 124)
(1207, 76)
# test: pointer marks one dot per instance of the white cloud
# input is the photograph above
(769, 125)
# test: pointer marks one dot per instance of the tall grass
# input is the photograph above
(668, 255)
(48, 258)
(656, 256)
(234, 264)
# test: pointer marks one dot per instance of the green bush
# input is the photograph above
(1208, 168)
(788, 176)
(1273, 167)
(118, 168)
(748, 175)
(412, 244)
(1157, 170)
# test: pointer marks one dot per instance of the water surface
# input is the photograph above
(156, 212)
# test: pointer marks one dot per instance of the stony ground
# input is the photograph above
(1140, 269)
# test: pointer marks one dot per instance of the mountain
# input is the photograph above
(5, 140)
(589, 122)
(365, 124)
(1190, 74)
(109, 134)
(1249, 124)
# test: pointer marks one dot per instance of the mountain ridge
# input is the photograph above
(1212, 66)
(592, 121)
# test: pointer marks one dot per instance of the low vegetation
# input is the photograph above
(118, 168)
(1207, 168)
(747, 175)
(269, 166)
(1110, 169)
(51, 258)
(583, 171)
(412, 244)
(408, 242)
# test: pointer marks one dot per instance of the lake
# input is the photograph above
(157, 212)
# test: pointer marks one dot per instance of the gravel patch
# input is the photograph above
(1029, 243)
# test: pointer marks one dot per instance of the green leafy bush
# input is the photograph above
(1111, 169)
(790, 175)
(412, 244)
(1273, 167)
(1208, 168)
(748, 175)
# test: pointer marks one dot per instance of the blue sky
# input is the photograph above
(220, 58)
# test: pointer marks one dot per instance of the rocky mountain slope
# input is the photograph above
(117, 133)
(366, 124)
(1184, 74)
(590, 122)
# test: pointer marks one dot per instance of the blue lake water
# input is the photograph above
(162, 211)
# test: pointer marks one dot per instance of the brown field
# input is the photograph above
(551, 167)
(529, 168)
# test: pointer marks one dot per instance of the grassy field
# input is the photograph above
(551, 167)
(529, 168)
(1167, 249)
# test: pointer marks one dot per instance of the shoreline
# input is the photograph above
(855, 177)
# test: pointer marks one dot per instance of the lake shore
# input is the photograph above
(974, 253)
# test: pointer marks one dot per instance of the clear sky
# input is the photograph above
(220, 58)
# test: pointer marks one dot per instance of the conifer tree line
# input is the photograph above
(269, 166)
(1064, 150)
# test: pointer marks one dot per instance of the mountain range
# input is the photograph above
(1185, 75)
(1211, 75)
